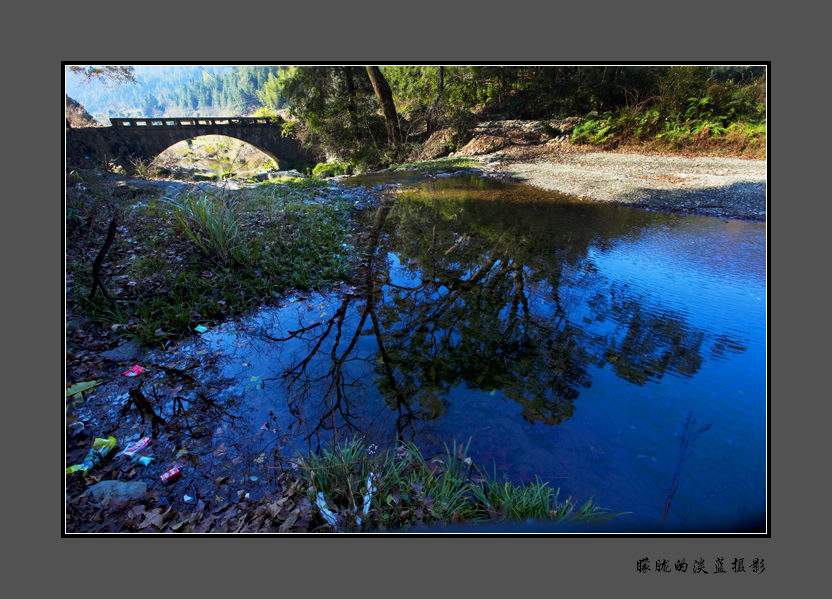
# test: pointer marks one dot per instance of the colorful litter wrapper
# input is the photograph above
(200, 328)
(144, 461)
(171, 475)
(100, 449)
(132, 449)
(134, 371)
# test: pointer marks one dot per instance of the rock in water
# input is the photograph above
(126, 352)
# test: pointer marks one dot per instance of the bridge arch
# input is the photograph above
(215, 150)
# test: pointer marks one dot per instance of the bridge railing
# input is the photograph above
(189, 121)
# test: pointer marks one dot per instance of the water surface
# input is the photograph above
(572, 342)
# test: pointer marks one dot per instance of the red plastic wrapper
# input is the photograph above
(134, 371)
(171, 475)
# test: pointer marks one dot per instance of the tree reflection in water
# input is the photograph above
(466, 282)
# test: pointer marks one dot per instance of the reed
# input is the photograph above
(689, 435)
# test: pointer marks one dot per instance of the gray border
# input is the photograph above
(400, 565)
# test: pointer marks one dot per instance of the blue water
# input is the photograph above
(569, 342)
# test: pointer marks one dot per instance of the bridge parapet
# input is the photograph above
(194, 121)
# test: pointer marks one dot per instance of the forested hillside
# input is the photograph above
(341, 108)
(232, 93)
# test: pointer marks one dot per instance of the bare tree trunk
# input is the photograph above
(385, 98)
(434, 110)
(351, 100)
(97, 280)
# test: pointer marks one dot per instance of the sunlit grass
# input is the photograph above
(447, 163)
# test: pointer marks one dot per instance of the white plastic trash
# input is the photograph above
(371, 488)
(330, 518)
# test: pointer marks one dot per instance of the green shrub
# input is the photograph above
(330, 169)
(594, 130)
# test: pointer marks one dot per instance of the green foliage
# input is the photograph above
(338, 111)
(205, 258)
(289, 129)
(691, 109)
(330, 169)
(405, 488)
(593, 131)
(267, 240)
(269, 92)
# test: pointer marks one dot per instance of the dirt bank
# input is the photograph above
(707, 185)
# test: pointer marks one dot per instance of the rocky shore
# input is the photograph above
(540, 154)
(711, 186)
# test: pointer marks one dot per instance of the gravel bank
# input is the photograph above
(712, 186)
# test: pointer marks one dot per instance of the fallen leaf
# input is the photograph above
(220, 508)
(273, 509)
(175, 527)
(153, 518)
(290, 521)
(76, 390)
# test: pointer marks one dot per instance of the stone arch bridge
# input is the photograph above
(127, 140)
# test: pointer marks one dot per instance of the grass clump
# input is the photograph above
(289, 186)
(406, 490)
(210, 223)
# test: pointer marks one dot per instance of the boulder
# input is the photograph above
(116, 490)
(290, 173)
(437, 145)
(126, 352)
(483, 144)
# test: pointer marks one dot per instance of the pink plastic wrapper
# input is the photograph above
(132, 449)
(134, 371)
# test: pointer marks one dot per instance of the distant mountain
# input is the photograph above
(104, 99)
(77, 116)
